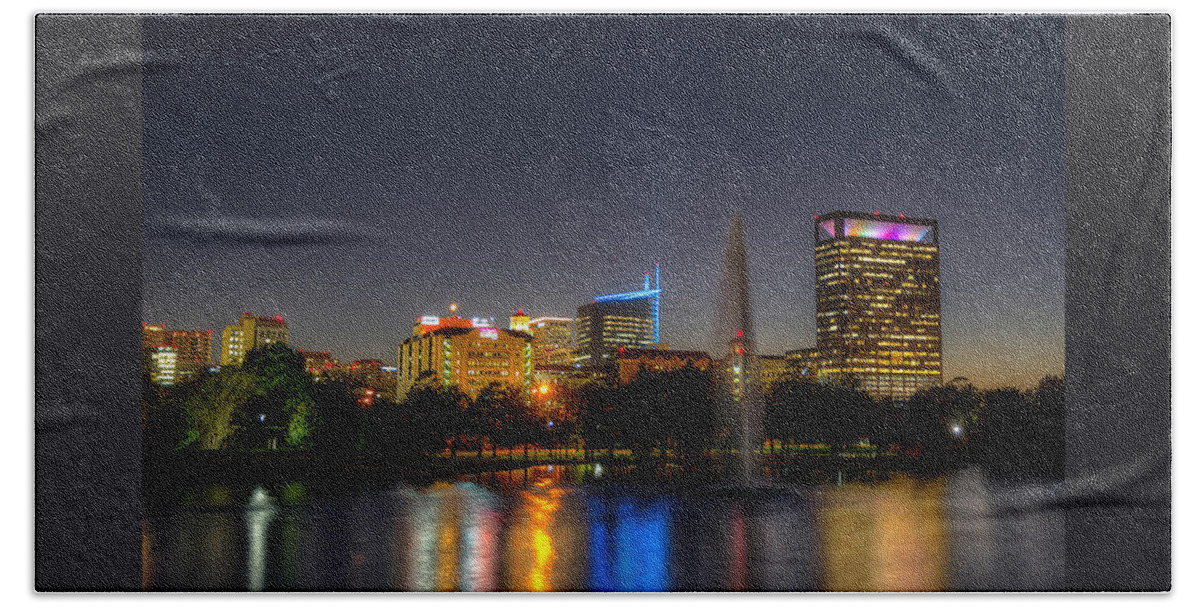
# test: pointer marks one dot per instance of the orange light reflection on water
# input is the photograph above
(542, 508)
(531, 550)
(886, 537)
(447, 544)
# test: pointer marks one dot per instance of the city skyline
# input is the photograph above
(282, 180)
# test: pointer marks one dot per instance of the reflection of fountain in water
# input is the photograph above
(260, 510)
(735, 332)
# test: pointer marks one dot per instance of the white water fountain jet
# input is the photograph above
(735, 336)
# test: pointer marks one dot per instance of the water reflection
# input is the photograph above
(884, 537)
(628, 548)
(259, 513)
(481, 529)
(572, 528)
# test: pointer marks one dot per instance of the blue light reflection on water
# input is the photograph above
(642, 542)
(600, 565)
(632, 553)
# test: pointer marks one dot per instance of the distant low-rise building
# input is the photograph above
(564, 376)
(807, 364)
(632, 361)
(773, 370)
(320, 363)
(371, 379)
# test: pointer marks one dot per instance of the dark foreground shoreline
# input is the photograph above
(182, 471)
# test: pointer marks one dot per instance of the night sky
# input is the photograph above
(352, 174)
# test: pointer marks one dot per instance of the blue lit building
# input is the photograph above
(615, 320)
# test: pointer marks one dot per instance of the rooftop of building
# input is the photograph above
(458, 331)
(262, 319)
(561, 319)
(802, 352)
(875, 215)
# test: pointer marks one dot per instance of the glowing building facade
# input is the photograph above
(553, 340)
(163, 364)
(629, 319)
(193, 348)
(470, 357)
(807, 364)
(519, 321)
(879, 301)
(249, 333)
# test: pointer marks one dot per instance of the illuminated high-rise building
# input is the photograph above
(249, 333)
(629, 319)
(445, 352)
(163, 363)
(192, 347)
(553, 340)
(879, 301)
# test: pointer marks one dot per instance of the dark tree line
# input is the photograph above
(1007, 431)
(1023, 434)
(670, 413)
(271, 402)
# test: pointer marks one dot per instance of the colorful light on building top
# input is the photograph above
(886, 231)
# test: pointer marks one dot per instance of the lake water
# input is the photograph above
(579, 528)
